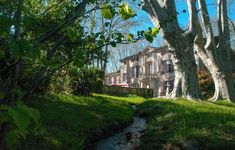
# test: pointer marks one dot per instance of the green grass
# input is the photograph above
(203, 124)
(131, 99)
(72, 122)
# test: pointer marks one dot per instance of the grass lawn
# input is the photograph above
(184, 124)
(72, 122)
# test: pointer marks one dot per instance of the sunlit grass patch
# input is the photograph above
(208, 125)
(132, 99)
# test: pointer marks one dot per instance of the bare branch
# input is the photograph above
(219, 16)
(147, 6)
(225, 33)
(210, 43)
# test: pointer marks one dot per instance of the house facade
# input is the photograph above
(112, 78)
(151, 68)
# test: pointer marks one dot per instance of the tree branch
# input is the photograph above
(68, 19)
(210, 43)
(194, 25)
(225, 33)
(219, 17)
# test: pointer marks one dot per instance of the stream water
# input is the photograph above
(128, 139)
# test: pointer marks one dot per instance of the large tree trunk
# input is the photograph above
(224, 87)
(182, 49)
(185, 71)
(215, 53)
(177, 81)
(222, 76)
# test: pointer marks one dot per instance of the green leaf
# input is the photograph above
(20, 117)
(148, 36)
(107, 24)
(71, 33)
(113, 44)
(22, 114)
(119, 39)
(29, 21)
(130, 37)
(155, 31)
(15, 48)
(100, 42)
(11, 138)
(34, 114)
(125, 11)
(25, 48)
(34, 51)
(79, 59)
(107, 11)
(20, 47)
(5, 24)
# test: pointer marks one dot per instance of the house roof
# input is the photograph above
(148, 49)
(113, 73)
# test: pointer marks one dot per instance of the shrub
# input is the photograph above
(206, 84)
(60, 82)
(86, 80)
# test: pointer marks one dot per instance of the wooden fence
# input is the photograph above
(117, 90)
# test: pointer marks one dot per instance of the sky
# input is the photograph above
(182, 17)
(181, 5)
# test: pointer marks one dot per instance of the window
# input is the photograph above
(137, 71)
(148, 86)
(165, 85)
(124, 77)
(170, 68)
(118, 79)
(150, 55)
(149, 71)
(133, 72)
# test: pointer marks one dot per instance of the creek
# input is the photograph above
(127, 139)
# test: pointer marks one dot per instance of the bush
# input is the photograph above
(206, 84)
(60, 82)
(86, 80)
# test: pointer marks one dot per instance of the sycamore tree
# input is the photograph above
(39, 37)
(214, 51)
(164, 16)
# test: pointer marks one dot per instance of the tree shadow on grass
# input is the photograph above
(76, 122)
(203, 126)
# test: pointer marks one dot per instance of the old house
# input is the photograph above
(151, 68)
